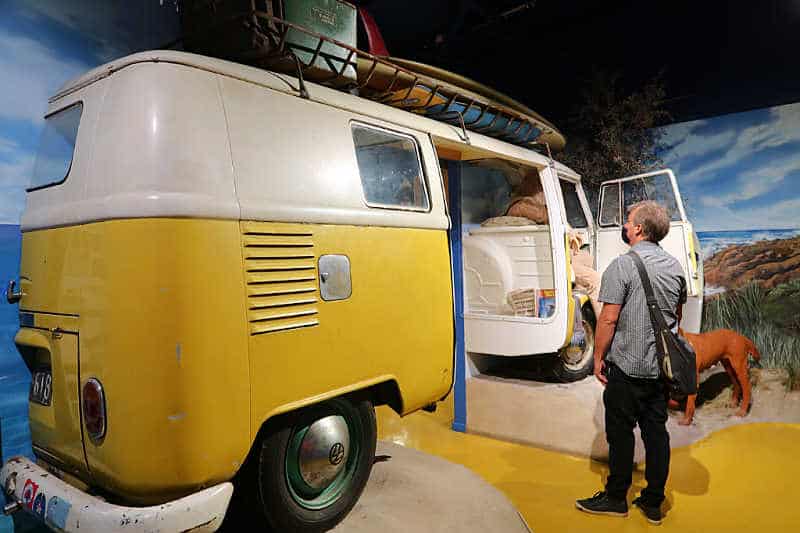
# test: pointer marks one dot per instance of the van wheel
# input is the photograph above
(313, 468)
(577, 362)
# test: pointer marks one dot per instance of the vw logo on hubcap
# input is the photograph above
(336, 454)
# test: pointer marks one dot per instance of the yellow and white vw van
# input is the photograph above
(220, 280)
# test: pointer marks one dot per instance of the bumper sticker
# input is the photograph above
(39, 505)
(29, 493)
(57, 511)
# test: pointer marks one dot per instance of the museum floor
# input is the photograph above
(738, 479)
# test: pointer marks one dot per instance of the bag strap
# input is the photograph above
(656, 316)
(652, 303)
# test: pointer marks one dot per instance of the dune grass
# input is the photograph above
(742, 310)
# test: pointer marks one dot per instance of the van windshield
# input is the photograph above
(57, 145)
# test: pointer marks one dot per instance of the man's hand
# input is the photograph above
(606, 326)
(598, 371)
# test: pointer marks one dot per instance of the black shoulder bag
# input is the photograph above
(676, 357)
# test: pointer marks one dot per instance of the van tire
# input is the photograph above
(584, 367)
(280, 476)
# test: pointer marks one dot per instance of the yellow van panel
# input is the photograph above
(396, 325)
(162, 326)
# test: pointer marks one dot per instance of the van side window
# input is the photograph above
(572, 204)
(390, 169)
(609, 207)
(56, 148)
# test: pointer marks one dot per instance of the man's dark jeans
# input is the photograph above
(629, 401)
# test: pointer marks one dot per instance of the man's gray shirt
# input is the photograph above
(633, 348)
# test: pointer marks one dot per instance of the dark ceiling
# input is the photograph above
(716, 57)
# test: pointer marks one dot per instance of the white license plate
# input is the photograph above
(41, 387)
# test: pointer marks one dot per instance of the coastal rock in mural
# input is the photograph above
(768, 263)
(759, 296)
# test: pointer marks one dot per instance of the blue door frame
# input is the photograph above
(457, 269)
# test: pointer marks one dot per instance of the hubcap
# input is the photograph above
(323, 451)
(322, 457)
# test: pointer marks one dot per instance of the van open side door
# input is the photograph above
(577, 211)
(616, 196)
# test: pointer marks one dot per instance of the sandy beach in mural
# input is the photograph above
(773, 401)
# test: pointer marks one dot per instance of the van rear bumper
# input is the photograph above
(62, 507)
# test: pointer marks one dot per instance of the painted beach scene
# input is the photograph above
(740, 177)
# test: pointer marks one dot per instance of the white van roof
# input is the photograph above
(478, 146)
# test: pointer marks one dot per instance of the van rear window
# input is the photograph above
(609, 206)
(390, 169)
(657, 187)
(572, 203)
(57, 145)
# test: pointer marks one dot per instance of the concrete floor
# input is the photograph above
(738, 479)
(411, 491)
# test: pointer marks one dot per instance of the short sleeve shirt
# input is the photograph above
(633, 347)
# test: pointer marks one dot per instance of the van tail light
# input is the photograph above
(94, 410)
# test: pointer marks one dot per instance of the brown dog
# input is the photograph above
(730, 348)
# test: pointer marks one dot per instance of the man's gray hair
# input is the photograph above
(653, 217)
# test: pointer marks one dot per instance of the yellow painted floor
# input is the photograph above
(744, 478)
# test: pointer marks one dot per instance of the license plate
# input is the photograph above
(41, 387)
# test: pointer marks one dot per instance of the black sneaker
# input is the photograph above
(651, 512)
(600, 503)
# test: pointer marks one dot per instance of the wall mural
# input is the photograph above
(740, 178)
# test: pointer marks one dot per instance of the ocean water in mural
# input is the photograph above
(712, 242)
(14, 376)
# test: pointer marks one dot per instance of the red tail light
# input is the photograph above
(94, 410)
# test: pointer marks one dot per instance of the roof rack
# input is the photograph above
(274, 44)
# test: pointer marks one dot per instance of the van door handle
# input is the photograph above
(12, 295)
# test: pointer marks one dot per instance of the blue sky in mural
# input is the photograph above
(46, 43)
(739, 171)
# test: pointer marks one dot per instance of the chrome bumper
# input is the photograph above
(64, 508)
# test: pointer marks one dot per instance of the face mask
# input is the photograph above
(625, 238)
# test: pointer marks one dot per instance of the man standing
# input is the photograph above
(626, 363)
